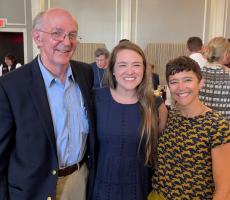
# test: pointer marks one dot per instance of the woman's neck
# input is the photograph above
(124, 97)
(194, 110)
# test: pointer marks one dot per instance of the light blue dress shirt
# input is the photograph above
(68, 115)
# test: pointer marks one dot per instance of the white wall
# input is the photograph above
(97, 19)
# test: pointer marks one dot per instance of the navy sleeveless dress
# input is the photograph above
(121, 174)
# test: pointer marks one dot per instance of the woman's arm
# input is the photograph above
(163, 116)
(221, 171)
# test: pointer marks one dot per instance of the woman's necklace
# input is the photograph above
(203, 110)
(100, 78)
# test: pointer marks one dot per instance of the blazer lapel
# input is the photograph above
(78, 77)
(40, 100)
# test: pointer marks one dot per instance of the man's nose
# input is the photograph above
(66, 39)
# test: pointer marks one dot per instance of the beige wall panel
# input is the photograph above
(85, 52)
(167, 21)
(160, 53)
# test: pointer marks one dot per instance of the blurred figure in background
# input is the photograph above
(155, 77)
(124, 40)
(99, 66)
(195, 48)
(216, 91)
(10, 64)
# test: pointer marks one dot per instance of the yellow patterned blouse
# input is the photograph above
(184, 170)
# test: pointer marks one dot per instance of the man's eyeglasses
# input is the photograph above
(60, 35)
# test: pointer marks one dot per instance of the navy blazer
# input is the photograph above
(28, 154)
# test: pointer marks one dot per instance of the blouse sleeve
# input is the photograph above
(220, 133)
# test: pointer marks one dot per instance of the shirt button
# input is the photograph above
(54, 172)
(49, 198)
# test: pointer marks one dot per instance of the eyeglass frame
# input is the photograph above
(52, 34)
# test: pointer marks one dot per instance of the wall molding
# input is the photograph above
(225, 17)
(136, 18)
(116, 23)
(19, 24)
(218, 18)
(126, 19)
(205, 20)
(37, 6)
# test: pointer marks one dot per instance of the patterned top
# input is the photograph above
(216, 91)
(184, 170)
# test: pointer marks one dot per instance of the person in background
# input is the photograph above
(216, 91)
(124, 40)
(128, 119)
(228, 65)
(101, 58)
(10, 64)
(155, 77)
(195, 48)
(46, 132)
(193, 150)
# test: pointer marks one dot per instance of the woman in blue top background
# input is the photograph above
(128, 116)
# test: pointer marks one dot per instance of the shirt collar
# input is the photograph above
(49, 78)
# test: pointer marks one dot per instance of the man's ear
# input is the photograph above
(36, 37)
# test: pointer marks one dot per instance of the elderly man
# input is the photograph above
(99, 66)
(46, 118)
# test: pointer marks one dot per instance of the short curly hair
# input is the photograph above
(180, 64)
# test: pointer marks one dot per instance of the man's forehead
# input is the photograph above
(55, 17)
